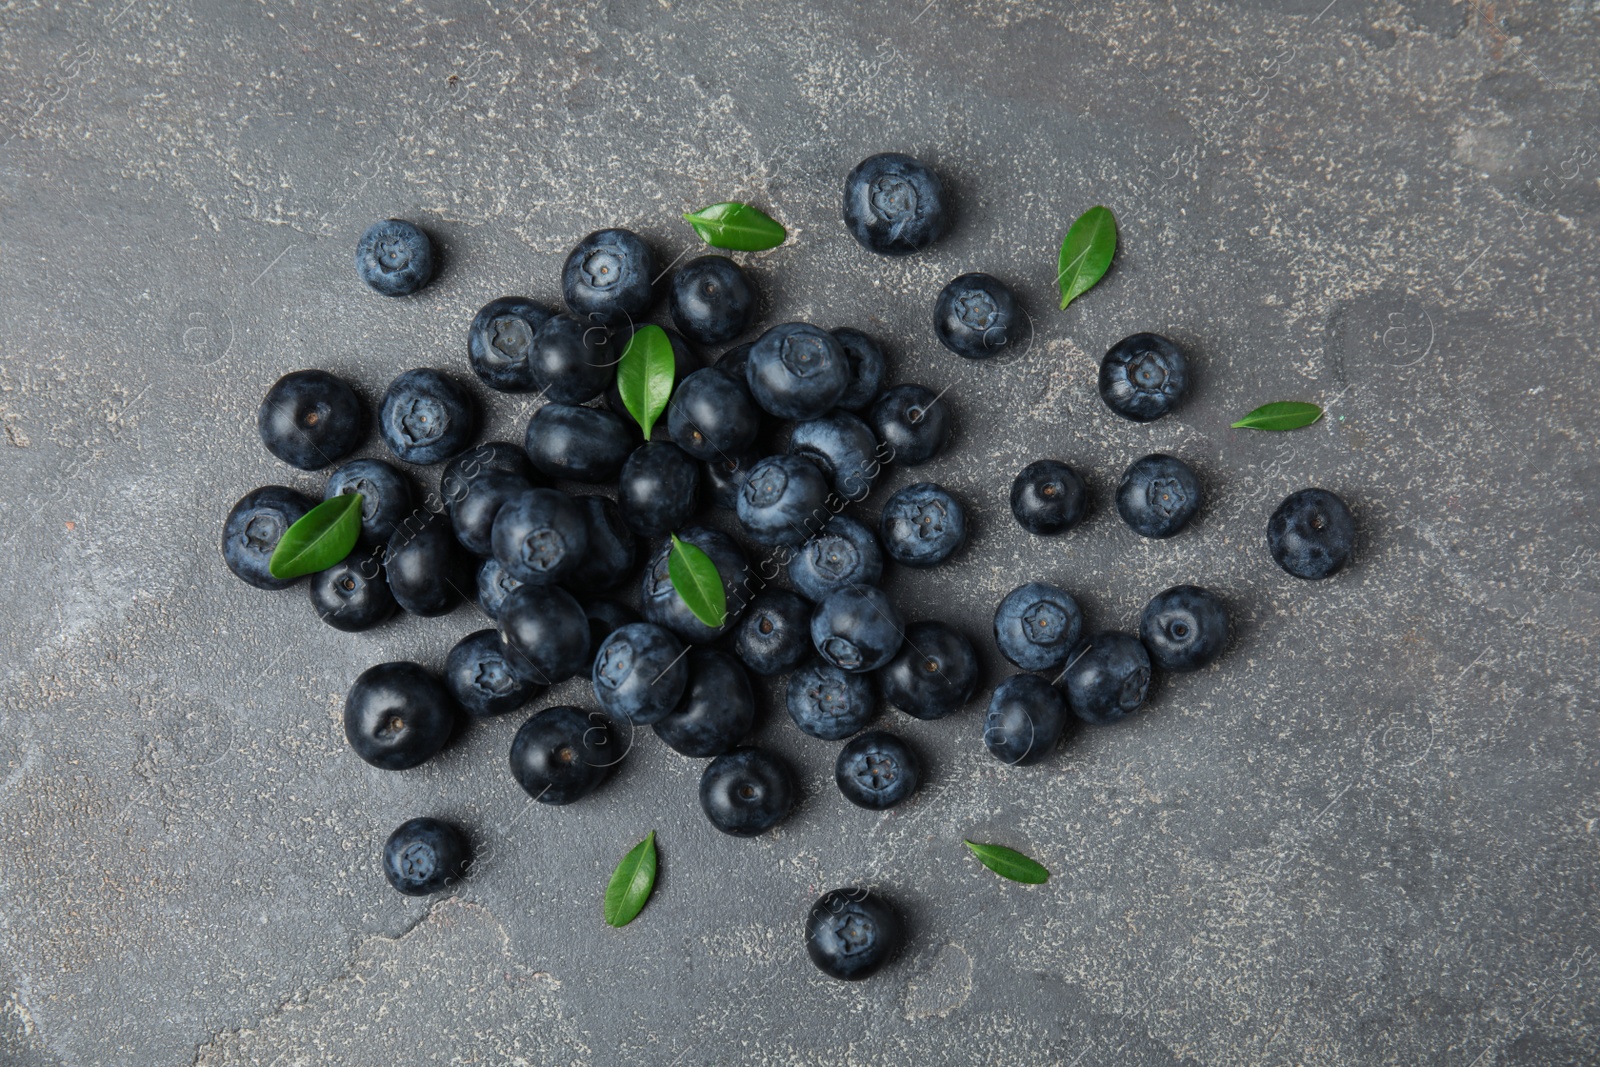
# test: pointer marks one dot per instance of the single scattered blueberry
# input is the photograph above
(423, 565)
(611, 550)
(427, 416)
(747, 791)
(660, 600)
(976, 317)
(797, 371)
(775, 634)
(481, 679)
(1158, 495)
(725, 476)
(394, 257)
(353, 594)
(500, 343)
(894, 204)
(735, 360)
(718, 708)
(398, 715)
(784, 500)
(659, 488)
(311, 419)
(605, 618)
(609, 278)
(546, 634)
(877, 770)
(540, 537)
(423, 856)
(934, 673)
(922, 525)
(1025, 720)
(494, 585)
(573, 360)
(1107, 677)
(852, 933)
(478, 460)
(867, 368)
(1143, 377)
(253, 528)
(684, 363)
(844, 554)
(1184, 628)
(1312, 535)
(1037, 626)
(912, 422)
(583, 444)
(386, 496)
(828, 703)
(563, 754)
(640, 673)
(857, 628)
(711, 300)
(843, 449)
(473, 513)
(711, 415)
(1048, 497)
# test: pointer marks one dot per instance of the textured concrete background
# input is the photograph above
(1367, 835)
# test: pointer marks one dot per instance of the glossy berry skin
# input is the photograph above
(1143, 377)
(659, 488)
(1184, 628)
(572, 360)
(427, 416)
(977, 317)
(540, 536)
(563, 754)
(500, 343)
(611, 552)
(877, 770)
(913, 423)
(828, 703)
(712, 301)
(606, 617)
(353, 594)
(934, 673)
(797, 371)
(398, 715)
(747, 791)
(423, 856)
(640, 673)
(387, 499)
(546, 634)
(423, 565)
(851, 933)
(735, 361)
(894, 205)
(394, 258)
(579, 443)
(775, 634)
(311, 419)
(844, 554)
(1158, 495)
(660, 600)
(1107, 677)
(494, 585)
(473, 513)
(724, 478)
(480, 459)
(922, 525)
(718, 708)
(867, 368)
(1025, 720)
(1048, 497)
(252, 531)
(608, 278)
(712, 415)
(843, 449)
(783, 501)
(1312, 535)
(481, 679)
(857, 628)
(1037, 626)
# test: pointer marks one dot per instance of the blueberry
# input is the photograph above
(563, 754)
(934, 673)
(712, 415)
(488, 456)
(775, 634)
(783, 501)
(1026, 719)
(844, 554)
(867, 368)
(1312, 535)
(1158, 495)
(500, 343)
(852, 933)
(583, 444)
(1107, 677)
(386, 496)
(747, 791)
(609, 278)
(663, 606)
(659, 488)
(605, 618)
(977, 317)
(893, 204)
(877, 770)
(611, 548)
(843, 448)
(353, 594)
(725, 476)
(572, 360)
(1048, 497)
(912, 422)
(856, 628)
(423, 856)
(311, 419)
(797, 371)
(481, 679)
(252, 531)
(423, 565)
(398, 715)
(541, 536)
(494, 585)
(718, 708)
(394, 257)
(684, 363)
(640, 673)
(1037, 626)
(1143, 377)
(1184, 628)
(828, 703)
(472, 514)
(922, 525)
(711, 300)
(546, 634)
(735, 361)
(427, 416)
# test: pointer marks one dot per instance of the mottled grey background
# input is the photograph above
(1366, 836)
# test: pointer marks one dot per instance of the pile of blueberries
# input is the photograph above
(785, 432)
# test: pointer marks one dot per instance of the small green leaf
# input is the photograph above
(1086, 253)
(736, 226)
(644, 376)
(695, 578)
(1283, 415)
(320, 538)
(631, 883)
(1009, 863)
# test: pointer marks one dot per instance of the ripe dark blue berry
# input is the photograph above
(857, 628)
(424, 567)
(1037, 626)
(252, 531)
(844, 554)
(1107, 677)
(611, 550)
(711, 300)
(843, 449)
(747, 791)
(423, 856)
(311, 419)
(922, 525)
(1048, 497)
(580, 443)
(659, 488)
(398, 715)
(609, 278)
(797, 371)
(783, 501)
(1158, 495)
(481, 679)
(852, 933)
(828, 703)
(894, 205)
(1143, 377)
(1025, 720)
(640, 673)
(912, 422)
(718, 708)
(976, 317)
(394, 257)
(724, 478)
(386, 496)
(867, 368)
(353, 594)
(775, 634)
(500, 343)
(481, 458)
(472, 514)
(606, 617)
(494, 585)
(563, 754)
(712, 415)
(735, 360)
(660, 600)
(573, 360)
(1184, 628)
(546, 634)
(540, 536)
(427, 416)
(1312, 535)
(877, 770)
(934, 673)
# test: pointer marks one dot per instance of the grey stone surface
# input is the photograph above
(1365, 836)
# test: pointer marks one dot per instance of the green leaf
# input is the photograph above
(736, 226)
(695, 578)
(631, 883)
(1009, 863)
(644, 376)
(1086, 253)
(320, 538)
(1283, 415)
